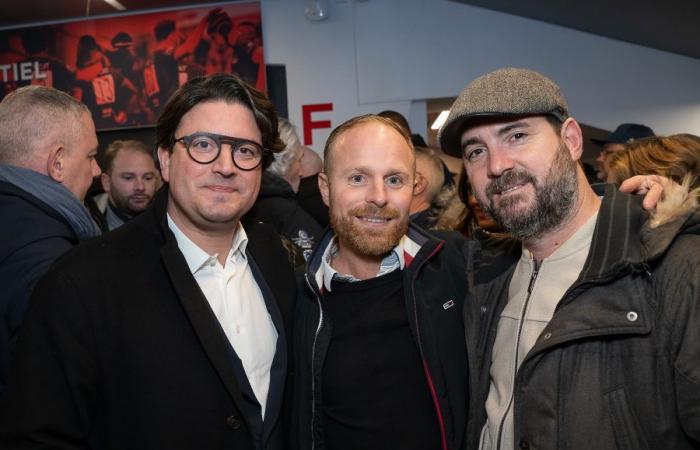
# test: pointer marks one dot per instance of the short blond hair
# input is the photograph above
(355, 122)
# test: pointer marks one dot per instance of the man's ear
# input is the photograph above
(55, 164)
(164, 161)
(572, 136)
(420, 185)
(104, 179)
(324, 188)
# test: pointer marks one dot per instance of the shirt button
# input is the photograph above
(632, 316)
(546, 336)
(233, 422)
(524, 445)
(483, 310)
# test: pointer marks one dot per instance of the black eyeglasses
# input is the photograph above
(204, 148)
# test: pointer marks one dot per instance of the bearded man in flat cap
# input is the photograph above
(586, 331)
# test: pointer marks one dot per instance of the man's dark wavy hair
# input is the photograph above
(220, 87)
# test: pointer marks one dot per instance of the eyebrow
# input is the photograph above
(472, 141)
(507, 128)
(511, 126)
(369, 170)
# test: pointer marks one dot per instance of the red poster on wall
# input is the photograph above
(125, 68)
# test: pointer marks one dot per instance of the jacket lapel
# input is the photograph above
(270, 259)
(278, 370)
(203, 320)
(263, 259)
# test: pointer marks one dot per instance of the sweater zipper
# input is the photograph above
(431, 386)
(313, 359)
(530, 288)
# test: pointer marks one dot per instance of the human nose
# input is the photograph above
(224, 164)
(140, 186)
(498, 162)
(600, 160)
(377, 193)
(96, 171)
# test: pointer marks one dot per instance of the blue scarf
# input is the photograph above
(54, 194)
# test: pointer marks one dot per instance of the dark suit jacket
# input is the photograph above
(120, 350)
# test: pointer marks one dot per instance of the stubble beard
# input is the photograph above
(121, 203)
(555, 197)
(364, 240)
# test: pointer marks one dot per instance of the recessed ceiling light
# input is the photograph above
(440, 120)
(116, 5)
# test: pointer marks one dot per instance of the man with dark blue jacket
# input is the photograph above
(47, 163)
(380, 354)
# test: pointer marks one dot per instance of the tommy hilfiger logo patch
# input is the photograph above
(448, 304)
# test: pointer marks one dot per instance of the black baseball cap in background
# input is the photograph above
(627, 132)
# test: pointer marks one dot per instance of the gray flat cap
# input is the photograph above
(504, 93)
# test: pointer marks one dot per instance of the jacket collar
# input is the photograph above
(624, 243)
(413, 242)
(624, 236)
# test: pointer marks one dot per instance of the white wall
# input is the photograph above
(393, 54)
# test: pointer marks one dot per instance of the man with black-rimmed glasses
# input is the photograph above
(179, 341)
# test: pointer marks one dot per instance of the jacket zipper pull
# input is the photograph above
(533, 277)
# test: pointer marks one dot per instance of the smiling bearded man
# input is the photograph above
(585, 331)
(555, 196)
(371, 371)
(369, 242)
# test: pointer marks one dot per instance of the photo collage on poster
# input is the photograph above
(125, 68)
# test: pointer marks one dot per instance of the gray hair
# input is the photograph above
(284, 159)
(33, 115)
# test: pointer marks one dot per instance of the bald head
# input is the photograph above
(311, 163)
(429, 176)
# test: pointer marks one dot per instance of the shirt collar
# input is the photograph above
(394, 260)
(195, 257)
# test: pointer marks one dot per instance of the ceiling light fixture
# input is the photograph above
(116, 5)
(316, 10)
(441, 118)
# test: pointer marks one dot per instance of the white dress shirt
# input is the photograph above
(238, 304)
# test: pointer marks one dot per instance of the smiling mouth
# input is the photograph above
(510, 189)
(372, 219)
(221, 189)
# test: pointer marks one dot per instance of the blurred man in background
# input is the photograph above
(130, 180)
